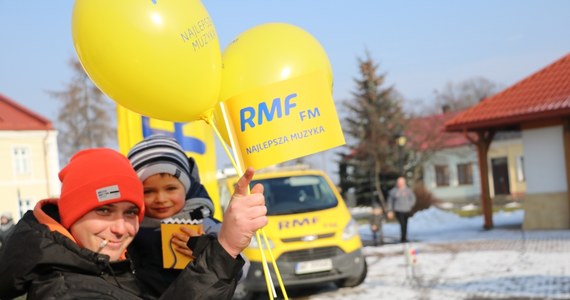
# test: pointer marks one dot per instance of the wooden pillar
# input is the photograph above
(482, 142)
(566, 140)
(486, 202)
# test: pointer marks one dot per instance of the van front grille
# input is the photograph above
(310, 254)
(302, 238)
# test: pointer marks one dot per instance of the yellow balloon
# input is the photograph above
(161, 59)
(270, 53)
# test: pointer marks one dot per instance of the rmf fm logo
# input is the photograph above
(248, 114)
(290, 224)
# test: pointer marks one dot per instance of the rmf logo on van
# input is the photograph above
(247, 114)
(290, 224)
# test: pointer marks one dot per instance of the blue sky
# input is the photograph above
(421, 45)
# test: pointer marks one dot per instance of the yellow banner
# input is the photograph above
(284, 121)
(196, 138)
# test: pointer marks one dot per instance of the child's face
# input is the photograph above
(164, 196)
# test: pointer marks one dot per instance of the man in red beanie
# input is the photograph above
(75, 247)
(98, 184)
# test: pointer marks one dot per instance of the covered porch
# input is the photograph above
(539, 107)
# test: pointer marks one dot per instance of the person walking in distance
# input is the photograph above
(376, 225)
(6, 227)
(401, 201)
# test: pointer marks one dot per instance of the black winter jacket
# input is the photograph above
(42, 260)
(146, 248)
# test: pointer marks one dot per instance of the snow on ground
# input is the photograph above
(457, 259)
(436, 225)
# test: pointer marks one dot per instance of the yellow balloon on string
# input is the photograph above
(161, 59)
(270, 53)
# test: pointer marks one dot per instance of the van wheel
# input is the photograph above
(356, 280)
(242, 293)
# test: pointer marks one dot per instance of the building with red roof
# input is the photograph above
(28, 156)
(539, 107)
(449, 162)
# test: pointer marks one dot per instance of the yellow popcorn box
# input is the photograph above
(171, 259)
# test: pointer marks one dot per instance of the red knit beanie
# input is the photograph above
(97, 177)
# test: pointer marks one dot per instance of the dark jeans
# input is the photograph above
(402, 218)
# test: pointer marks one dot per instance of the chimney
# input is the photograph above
(445, 108)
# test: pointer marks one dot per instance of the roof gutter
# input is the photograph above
(509, 121)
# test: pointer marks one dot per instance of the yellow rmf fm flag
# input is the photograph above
(196, 138)
(284, 120)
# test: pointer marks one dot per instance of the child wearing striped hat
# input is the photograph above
(172, 189)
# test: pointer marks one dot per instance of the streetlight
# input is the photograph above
(401, 141)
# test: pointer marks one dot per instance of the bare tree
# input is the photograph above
(426, 133)
(458, 96)
(85, 118)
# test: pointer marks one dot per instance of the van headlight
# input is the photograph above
(350, 230)
(253, 244)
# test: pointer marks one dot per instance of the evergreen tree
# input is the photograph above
(85, 118)
(374, 121)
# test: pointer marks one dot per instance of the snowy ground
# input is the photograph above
(457, 259)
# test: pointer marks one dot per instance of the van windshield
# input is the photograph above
(296, 194)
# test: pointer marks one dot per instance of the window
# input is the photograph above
(296, 194)
(441, 175)
(24, 205)
(21, 160)
(465, 173)
(520, 169)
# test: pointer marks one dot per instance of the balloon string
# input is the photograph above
(281, 285)
(268, 280)
(237, 167)
(259, 242)
(232, 160)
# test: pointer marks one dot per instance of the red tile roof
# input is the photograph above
(428, 133)
(14, 116)
(543, 95)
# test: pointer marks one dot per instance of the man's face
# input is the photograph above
(115, 223)
(4, 220)
(401, 182)
(164, 196)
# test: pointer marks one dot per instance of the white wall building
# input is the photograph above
(29, 158)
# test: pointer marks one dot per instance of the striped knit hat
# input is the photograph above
(160, 154)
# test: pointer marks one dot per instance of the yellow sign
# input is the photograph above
(196, 138)
(284, 121)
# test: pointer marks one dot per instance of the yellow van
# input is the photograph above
(311, 232)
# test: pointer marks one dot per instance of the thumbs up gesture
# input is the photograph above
(245, 214)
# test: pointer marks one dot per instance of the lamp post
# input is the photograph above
(401, 141)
